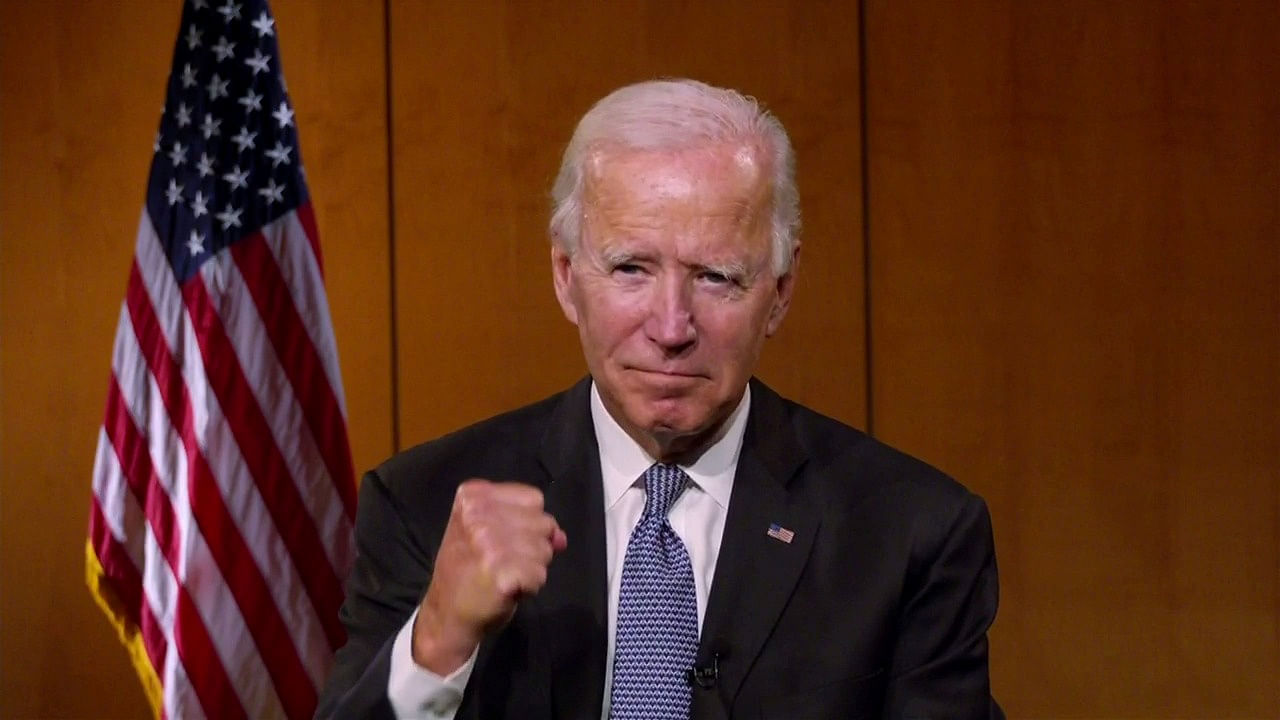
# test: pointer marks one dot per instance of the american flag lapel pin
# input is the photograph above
(777, 532)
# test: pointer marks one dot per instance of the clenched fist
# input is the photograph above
(495, 550)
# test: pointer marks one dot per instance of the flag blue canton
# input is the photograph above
(226, 159)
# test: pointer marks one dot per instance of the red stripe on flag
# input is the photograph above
(153, 639)
(243, 577)
(300, 361)
(204, 667)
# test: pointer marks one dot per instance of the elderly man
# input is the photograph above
(668, 538)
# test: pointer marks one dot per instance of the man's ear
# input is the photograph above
(562, 278)
(782, 300)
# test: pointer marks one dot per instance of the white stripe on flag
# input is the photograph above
(166, 298)
(120, 509)
(287, 240)
(161, 594)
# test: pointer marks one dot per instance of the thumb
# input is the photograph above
(559, 541)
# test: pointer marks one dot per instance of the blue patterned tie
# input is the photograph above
(657, 629)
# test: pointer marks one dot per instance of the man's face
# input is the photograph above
(672, 287)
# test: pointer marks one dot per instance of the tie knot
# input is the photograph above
(662, 485)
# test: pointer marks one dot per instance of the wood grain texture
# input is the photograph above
(339, 89)
(82, 87)
(486, 95)
(1075, 243)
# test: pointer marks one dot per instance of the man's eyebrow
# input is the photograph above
(731, 268)
(616, 255)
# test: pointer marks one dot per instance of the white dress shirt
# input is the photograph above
(697, 516)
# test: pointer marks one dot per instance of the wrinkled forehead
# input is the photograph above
(710, 178)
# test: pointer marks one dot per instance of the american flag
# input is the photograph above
(777, 532)
(223, 495)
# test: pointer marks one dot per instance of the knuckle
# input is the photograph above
(536, 497)
(492, 568)
(481, 535)
(471, 508)
(471, 491)
(522, 494)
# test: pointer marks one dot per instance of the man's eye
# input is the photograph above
(716, 278)
(628, 269)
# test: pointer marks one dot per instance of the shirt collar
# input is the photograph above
(623, 461)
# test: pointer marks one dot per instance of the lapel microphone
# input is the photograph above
(704, 675)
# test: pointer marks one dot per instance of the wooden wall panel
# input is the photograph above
(335, 62)
(485, 96)
(1075, 248)
(82, 86)
(72, 180)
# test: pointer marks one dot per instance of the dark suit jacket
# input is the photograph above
(879, 606)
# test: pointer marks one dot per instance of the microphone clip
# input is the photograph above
(705, 675)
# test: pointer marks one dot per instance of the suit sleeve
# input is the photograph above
(939, 667)
(390, 574)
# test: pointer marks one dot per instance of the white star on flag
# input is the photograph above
(244, 138)
(258, 62)
(199, 4)
(218, 87)
(237, 178)
(205, 166)
(199, 204)
(272, 192)
(193, 37)
(188, 76)
(224, 49)
(263, 25)
(283, 115)
(183, 115)
(178, 154)
(229, 217)
(278, 154)
(251, 101)
(210, 125)
(174, 193)
(195, 245)
(230, 11)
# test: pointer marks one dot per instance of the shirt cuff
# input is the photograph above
(415, 692)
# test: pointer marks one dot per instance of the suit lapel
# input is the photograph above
(756, 573)
(572, 604)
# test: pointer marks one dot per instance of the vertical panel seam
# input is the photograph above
(864, 162)
(391, 228)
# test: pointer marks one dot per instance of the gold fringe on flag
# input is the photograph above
(130, 635)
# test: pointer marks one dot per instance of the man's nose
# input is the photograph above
(670, 322)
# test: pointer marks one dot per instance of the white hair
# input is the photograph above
(678, 114)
